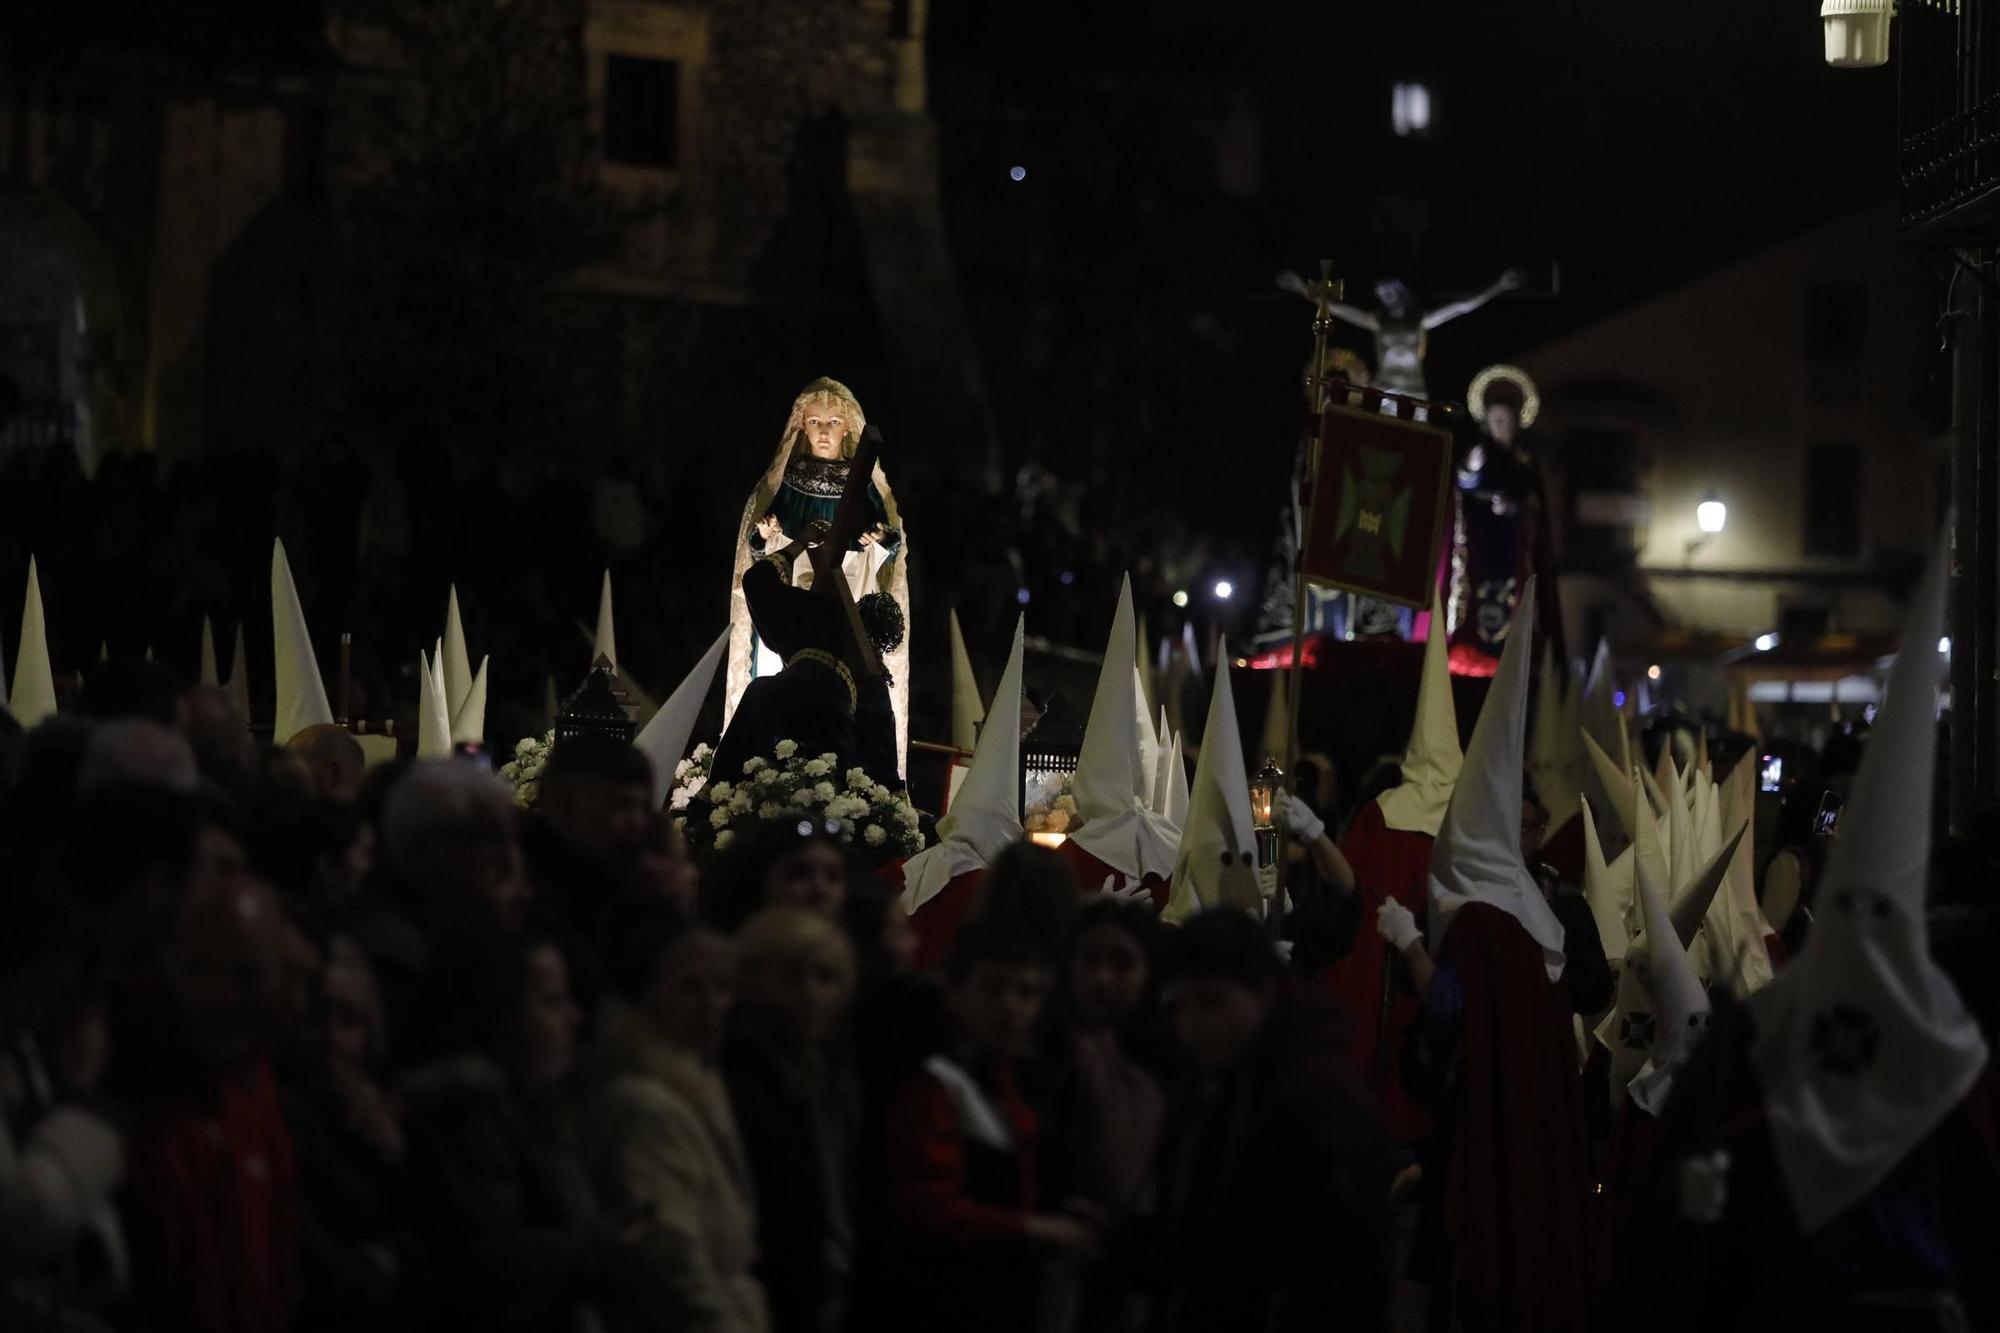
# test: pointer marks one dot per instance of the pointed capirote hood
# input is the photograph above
(1149, 746)
(238, 685)
(664, 739)
(1163, 755)
(605, 644)
(468, 719)
(1179, 796)
(1607, 888)
(1599, 705)
(1750, 959)
(457, 662)
(967, 710)
(1680, 1005)
(1689, 905)
(211, 675)
(1477, 856)
(1619, 788)
(1863, 1044)
(1549, 753)
(1218, 831)
(1432, 761)
(3, 674)
(433, 718)
(1119, 828)
(985, 816)
(34, 693)
(301, 691)
(1666, 774)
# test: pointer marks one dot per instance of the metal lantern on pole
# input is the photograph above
(600, 707)
(1265, 789)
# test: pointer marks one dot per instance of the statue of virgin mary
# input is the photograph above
(804, 484)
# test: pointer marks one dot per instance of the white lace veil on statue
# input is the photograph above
(890, 573)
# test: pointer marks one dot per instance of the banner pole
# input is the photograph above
(1326, 292)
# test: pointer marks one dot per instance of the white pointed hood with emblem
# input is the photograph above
(1863, 1045)
(1219, 832)
(985, 816)
(1477, 856)
(1680, 1005)
(1432, 761)
(433, 718)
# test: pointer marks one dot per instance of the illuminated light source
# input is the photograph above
(1048, 840)
(1618, 698)
(1857, 32)
(1653, 671)
(1264, 791)
(1766, 642)
(1944, 645)
(1181, 597)
(1224, 590)
(1017, 173)
(1022, 595)
(1068, 577)
(1409, 109)
(1711, 514)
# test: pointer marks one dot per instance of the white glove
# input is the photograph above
(1285, 952)
(1395, 924)
(1299, 819)
(1135, 892)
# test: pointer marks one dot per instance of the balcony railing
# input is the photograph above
(1949, 116)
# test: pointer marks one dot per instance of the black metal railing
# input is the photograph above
(1949, 114)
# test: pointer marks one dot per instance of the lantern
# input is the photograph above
(600, 707)
(1264, 791)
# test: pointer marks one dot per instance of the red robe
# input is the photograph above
(1563, 851)
(1091, 874)
(1515, 1191)
(937, 919)
(1388, 863)
(209, 1180)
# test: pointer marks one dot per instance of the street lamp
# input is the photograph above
(1857, 32)
(1711, 514)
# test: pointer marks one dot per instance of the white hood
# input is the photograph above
(985, 817)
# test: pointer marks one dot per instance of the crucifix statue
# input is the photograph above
(1401, 329)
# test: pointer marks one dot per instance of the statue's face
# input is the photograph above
(1394, 298)
(825, 425)
(1502, 423)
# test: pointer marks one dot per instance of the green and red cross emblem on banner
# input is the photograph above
(1375, 524)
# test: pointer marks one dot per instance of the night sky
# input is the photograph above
(1635, 146)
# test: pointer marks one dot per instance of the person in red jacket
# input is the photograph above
(962, 1144)
(210, 1170)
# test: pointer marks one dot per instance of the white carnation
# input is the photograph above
(720, 792)
(724, 838)
(858, 779)
(703, 751)
(754, 764)
(770, 777)
(786, 749)
(739, 804)
(818, 768)
(680, 801)
(770, 810)
(825, 790)
(718, 817)
(880, 795)
(526, 745)
(875, 835)
(807, 796)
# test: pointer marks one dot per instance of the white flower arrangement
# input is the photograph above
(524, 770)
(1051, 806)
(691, 776)
(878, 823)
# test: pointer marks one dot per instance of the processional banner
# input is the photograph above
(1375, 521)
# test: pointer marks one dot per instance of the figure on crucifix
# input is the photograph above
(803, 485)
(1401, 328)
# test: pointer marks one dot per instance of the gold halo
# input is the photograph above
(1531, 401)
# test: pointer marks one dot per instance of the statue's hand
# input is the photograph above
(1512, 280)
(769, 529)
